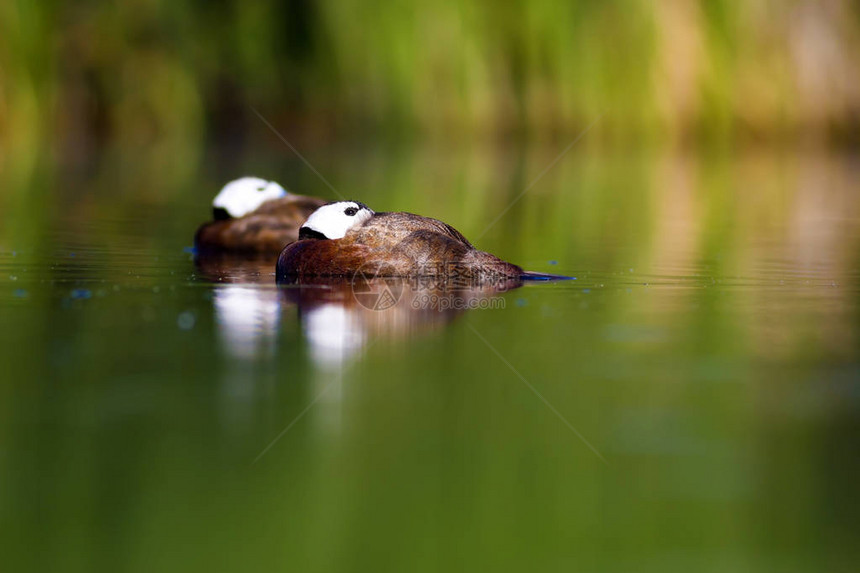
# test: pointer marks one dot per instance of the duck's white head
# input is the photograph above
(332, 221)
(240, 197)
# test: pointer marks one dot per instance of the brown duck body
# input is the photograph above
(392, 244)
(267, 229)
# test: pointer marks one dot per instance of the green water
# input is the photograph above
(690, 402)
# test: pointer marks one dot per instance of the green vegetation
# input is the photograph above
(168, 76)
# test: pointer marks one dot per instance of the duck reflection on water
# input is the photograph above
(339, 319)
(338, 316)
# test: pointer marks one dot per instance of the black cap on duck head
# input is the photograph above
(334, 220)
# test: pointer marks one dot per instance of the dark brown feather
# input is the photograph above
(272, 225)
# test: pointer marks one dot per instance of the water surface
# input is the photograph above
(689, 402)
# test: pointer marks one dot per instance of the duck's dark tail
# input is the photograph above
(530, 276)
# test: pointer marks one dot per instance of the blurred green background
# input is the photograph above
(142, 73)
(708, 348)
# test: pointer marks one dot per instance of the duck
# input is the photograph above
(343, 238)
(253, 215)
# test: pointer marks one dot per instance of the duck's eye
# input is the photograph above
(261, 188)
(350, 211)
